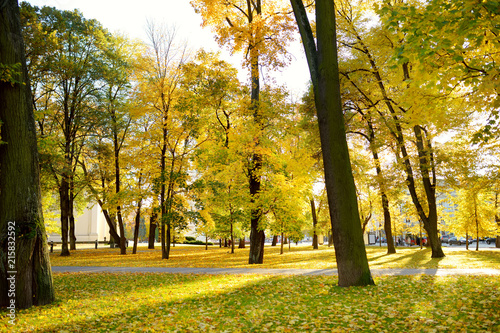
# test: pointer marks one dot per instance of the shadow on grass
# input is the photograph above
(194, 303)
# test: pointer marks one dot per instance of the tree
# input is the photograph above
(261, 31)
(23, 247)
(460, 45)
(68, 96)
(350, 250)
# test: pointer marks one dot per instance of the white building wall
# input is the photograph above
(89, 226)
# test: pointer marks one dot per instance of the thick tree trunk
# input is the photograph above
(348, 241)
(315, 223)
(275, 240)
(24, 256)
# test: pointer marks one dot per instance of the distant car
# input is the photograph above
(490, 240)
(460, 241)
(445, 239)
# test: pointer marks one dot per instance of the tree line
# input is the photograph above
(393, 123)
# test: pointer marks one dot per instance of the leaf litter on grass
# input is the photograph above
(297, 257)
(151, 302)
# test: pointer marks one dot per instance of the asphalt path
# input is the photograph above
(214, 271)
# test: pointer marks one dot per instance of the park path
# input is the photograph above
(181, 270)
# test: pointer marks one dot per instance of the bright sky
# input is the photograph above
(130, 17)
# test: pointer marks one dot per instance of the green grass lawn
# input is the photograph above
(296, 257)
(259, 303)
(119, 302)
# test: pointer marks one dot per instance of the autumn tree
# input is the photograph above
(66, 102)
(322, 59)
(23, 249)
(261, 30)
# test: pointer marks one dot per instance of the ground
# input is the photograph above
(159, 302)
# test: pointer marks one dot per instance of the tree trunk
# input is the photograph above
(64, 207)
(137, 225)
(385, 201)
(275, 240)
(24, 254)
(72, 237)
(232, 239)
(348, 241)
(241, 245)
(257, 236)
(315, 223)
(152, 231)
(282, 242)
(115, 238)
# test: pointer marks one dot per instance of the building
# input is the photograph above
(90, 226)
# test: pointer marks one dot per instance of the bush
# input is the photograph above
(189, 238)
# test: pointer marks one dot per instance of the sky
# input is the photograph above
(129, 17)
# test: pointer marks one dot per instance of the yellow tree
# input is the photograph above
(260, 29)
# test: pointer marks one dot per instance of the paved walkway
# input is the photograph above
(179, 270)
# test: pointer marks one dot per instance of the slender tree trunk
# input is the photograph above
(152, 230)
(385, 201)
(64, 207)
(24, 254)
(315, 223)
(282, 242)
(257, 236)
(350, 250)
(111, 225)
(72, 237)
(232, 238)
(137, 225)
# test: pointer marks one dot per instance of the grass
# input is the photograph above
(296, 257)
(149, 302)
(259, 303)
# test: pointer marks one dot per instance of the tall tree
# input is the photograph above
(23, 246)
(261, 29)
(73, 72)
(350, 250)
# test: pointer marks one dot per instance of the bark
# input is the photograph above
(282, 242)
(137, 225)
(232, 239)
(241, 245)
(275, 240)
(20, 198)
(348, 241)
(152, 230)
(64, 207)
(315, 223)
(117, 146)
(72, 237)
